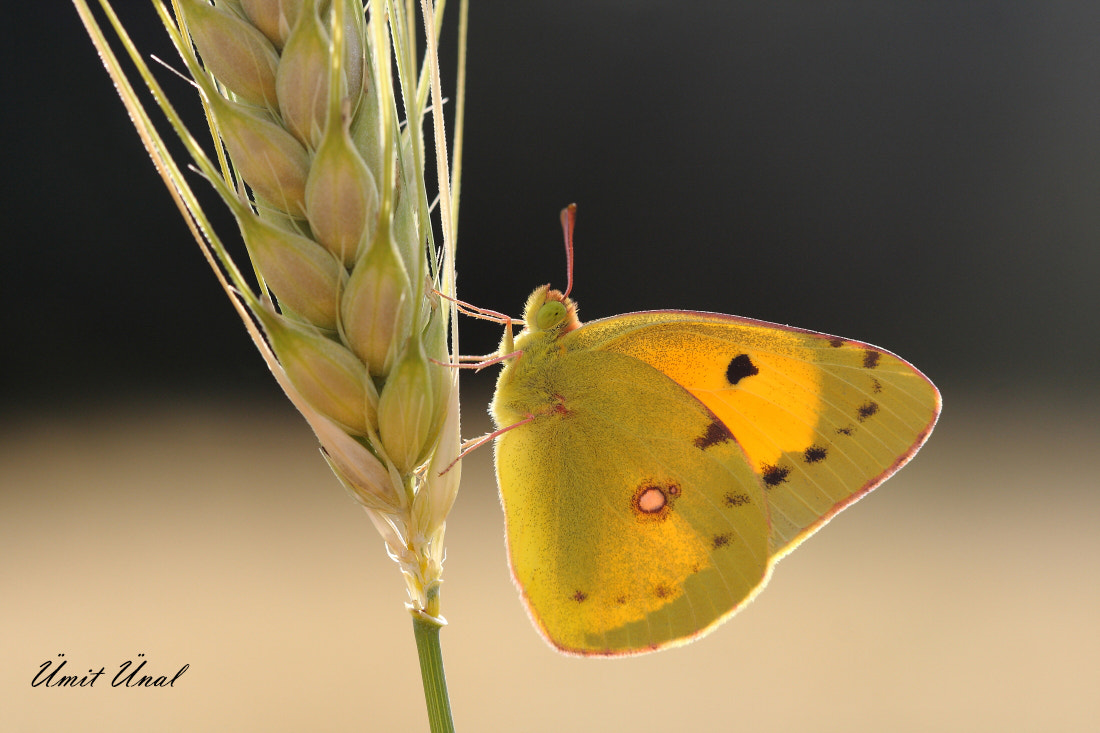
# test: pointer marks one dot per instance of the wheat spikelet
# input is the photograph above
(333, 210)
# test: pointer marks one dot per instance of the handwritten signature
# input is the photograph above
(48, 675)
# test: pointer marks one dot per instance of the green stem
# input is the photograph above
(426, 629)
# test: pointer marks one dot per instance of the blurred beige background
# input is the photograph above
(962, 595)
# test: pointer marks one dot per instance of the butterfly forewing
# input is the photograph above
(822, 420)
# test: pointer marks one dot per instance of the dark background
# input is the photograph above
(920, 175)
(923, 176)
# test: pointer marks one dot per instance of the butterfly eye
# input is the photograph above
(550, 315)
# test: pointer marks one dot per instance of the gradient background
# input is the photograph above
(924, 176)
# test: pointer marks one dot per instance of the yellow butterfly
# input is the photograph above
(654, 466)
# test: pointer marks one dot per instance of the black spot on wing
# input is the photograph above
(814, 453)
(867, 409)
(735, 500)
(580, 596)
(662, 591)
(740, 367)
(876, 386)
(836, 343)
(717, 432)
(847, 430)
(721, 540)
(870, 359)
(775, 475)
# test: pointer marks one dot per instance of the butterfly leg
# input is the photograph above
(478, 362)
(474, 443)
(474, 311)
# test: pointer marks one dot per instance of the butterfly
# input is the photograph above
(654, 466)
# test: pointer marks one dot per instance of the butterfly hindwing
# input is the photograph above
(633, 519)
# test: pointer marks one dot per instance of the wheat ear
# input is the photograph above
(329, 194)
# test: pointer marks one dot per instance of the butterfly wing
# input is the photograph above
(634, 520)
(822, 420)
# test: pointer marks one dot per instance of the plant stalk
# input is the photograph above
(426, 630)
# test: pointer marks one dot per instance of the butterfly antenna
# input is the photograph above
(568, 218)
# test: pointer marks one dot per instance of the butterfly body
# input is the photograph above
(653, 466)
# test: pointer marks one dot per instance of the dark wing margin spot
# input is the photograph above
(717, 432)
(866, 410)
(775, 475)
(836, 343)
(741, 366)
(814, 454)
(870, 359)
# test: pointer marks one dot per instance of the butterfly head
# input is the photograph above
(550, 311)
